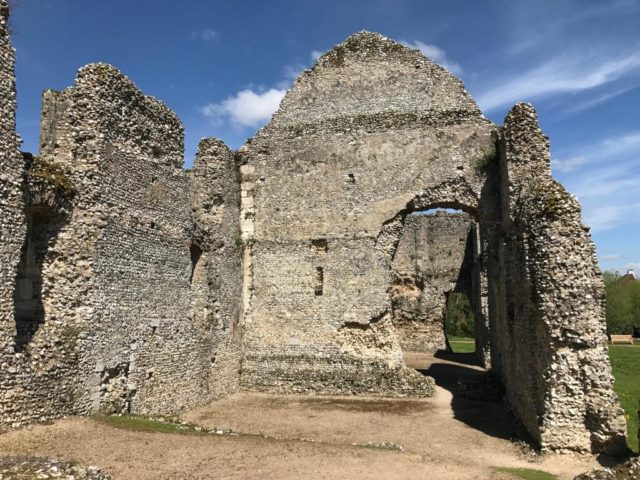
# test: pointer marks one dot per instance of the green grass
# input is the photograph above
(625, 360)
(143, 424)
(462, 344)
(528, 473)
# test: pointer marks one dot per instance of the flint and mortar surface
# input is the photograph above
(130, 285)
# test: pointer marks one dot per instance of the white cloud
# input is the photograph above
(609, 257)
(254, 107)
(436, 54)
(206, 34)
(633, 266)
(611, 216)
(291, 72)
(246, 108)
(565, 74)
(569, 164)
(625, 146)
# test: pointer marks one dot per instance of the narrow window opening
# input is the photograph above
(196, 253)
(319, 281)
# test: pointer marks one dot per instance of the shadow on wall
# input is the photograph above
(43, 226)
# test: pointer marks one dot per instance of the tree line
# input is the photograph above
(623, 304)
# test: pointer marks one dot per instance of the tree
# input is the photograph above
(458, 320)
(623, 304)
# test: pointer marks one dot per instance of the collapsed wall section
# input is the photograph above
(549, 329)
(435, 256)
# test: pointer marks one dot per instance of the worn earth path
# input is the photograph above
(293, 437)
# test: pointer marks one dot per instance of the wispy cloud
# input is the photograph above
(205, 35)
(606, 179)
(534, 35)
(609, 256)
(247, 108)
(562, 74)
(569, 164)
(436, 54)
(608, 217)
(599, 100)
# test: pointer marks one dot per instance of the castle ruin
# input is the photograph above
(128, 284)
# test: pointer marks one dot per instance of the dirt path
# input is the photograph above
(308, 437)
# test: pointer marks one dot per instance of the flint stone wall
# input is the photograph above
(435, 256)
(371, 133)
(216, 278)
(549, 342)
(122, 329)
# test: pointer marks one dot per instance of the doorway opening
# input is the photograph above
(434, 286)
(29, 314)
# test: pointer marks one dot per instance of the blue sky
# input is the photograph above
(223, 66)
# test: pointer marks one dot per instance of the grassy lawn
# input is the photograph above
(144, 424)
(462, 344)
(528, 473)
(625, 360)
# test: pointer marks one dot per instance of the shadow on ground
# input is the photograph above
(491, 418)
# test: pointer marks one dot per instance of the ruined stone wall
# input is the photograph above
(216, 253)
(113, 216)
(12, 221)
(435, 256)
(29, 388)
(549, 343)
(371, 133)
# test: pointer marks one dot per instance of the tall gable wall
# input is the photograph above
(362, 138)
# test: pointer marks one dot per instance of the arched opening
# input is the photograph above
(434, 287)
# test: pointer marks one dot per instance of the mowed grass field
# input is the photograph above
(625, 360)
(462, 344)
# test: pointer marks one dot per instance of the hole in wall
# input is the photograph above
(459, 322)
(319, 284)
(196, 254)
(351, 178)
(320, 245)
